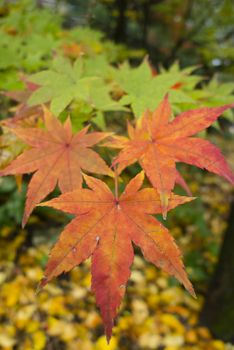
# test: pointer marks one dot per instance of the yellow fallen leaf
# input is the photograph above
(173, 341)
(218, 345)
(137, 277)
(153, 300)
(3, 277)
(6, 231)
(24, 316)
(194, 304)
(81, 345)
(33, 326)
(124, 323)
(172, 296)
(162, 282)
(55, 306)
(204, 333)
(178, 309)
(93, 319)
(139, 311)
(34, 274)
(62, 329)
(151, 273)
(78, 292)
(39, 340)
(11, 292)
(138, 262)
(27, 344)
(149, 340)
(101, 344)
(87, 281)
(7, 341)
(193, 319)
(173, 323)
(81, 331)
(191, 336)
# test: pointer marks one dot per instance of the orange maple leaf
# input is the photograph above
(57, 156)
(105, 227)
(159, 144)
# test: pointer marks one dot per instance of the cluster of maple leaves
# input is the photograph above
(106, 224)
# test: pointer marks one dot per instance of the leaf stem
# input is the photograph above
(116, 184)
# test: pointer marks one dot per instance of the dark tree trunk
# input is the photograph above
(120, 31)
(146, 19)
(218, 311)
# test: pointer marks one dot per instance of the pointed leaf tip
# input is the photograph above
(43, 204)
(166, 96)
(164, 204)
(192, 292)
(42, 284)
(108, 338)
(25, 219)
(38, 289)
(111, 173)
(190, 289)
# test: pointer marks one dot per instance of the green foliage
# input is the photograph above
(94, 43)
(65, 83)
(91, 83)
(22, 17)
(12, 202)
(143, 90)
(75, 72)
(216, 93)
(30, 37)
(27, 40)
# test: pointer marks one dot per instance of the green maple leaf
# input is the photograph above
(144, 91)
(9, 51)
(65, 83)
(37, 50)
(98, 66)
(215, 94)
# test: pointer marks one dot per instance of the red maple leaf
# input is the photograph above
(57, 156)
(105, 227)
(159, 144)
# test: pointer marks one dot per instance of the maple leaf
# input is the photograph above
(105, 227)
(117, 141)
(65, 83)
(158, 144)
(145, 91)
(57, 156)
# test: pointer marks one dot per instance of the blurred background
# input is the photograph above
(192, 38)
